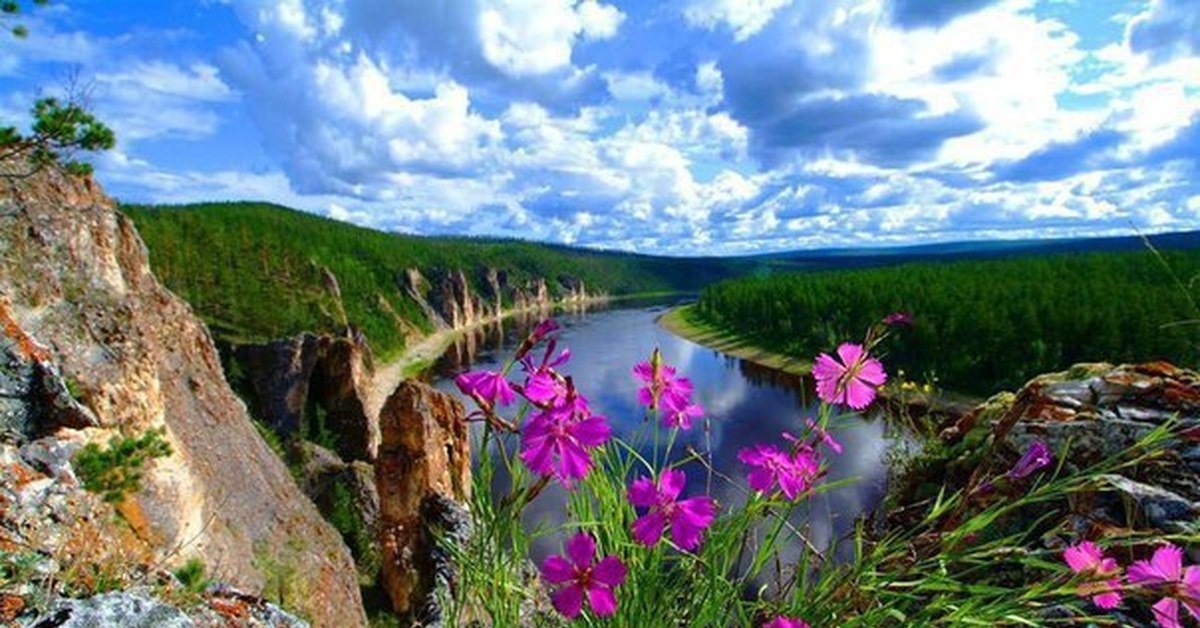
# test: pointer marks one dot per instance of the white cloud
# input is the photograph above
(744, 17)
(530, 37)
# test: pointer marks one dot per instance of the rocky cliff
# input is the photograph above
(76, 290)
(448, 299)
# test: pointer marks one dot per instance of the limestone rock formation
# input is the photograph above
(345, 494)
(424, 465)
(292, 380)
(75, 283)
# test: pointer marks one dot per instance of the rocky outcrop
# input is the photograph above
(1095, 412)
(219, 606)
(345, 494)
(423, 468)
(76, 283)
(308, 383)
(447, 300)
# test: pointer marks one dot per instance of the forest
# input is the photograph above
(253, 270)
(979, 326)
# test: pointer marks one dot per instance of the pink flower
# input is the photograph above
(898, 318)
(1165, 568)
(786, 622)
(1035, 457)
(486, 385)
(824, 436)
(660, 381)
(539, 332)
(687, 518)
(1085, 558)
(556, 441)
(850, 382)
(679, 412)
(543, 383)
(581, 577)
(794, 473)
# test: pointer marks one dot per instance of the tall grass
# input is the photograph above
(962, 559)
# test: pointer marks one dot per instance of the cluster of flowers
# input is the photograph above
(561, 432)
(1163, 575)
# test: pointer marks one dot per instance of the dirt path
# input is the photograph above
(389, 376)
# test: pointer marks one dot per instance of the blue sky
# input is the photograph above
(673, 126)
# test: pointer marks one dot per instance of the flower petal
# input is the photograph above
(827, 368)
(859, 395)
(1166, 613)
(568, 601)
(609, 571)
(850, 353)
(1165, 566)
(582, 550)
(1082, 557)
(602, 600)
(671, 484)
(648, 528)
(872, 372)
(643, 493)
(592, 432)
(556, 569)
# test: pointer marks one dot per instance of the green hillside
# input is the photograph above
(253, 271)
(981, 326)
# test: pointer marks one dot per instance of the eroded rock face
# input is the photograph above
(1101, 410)
(293, 378)
(345, 494)
(424, 462)
(77, 283)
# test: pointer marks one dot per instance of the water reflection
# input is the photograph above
(747, 404)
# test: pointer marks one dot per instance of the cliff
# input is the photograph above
(78, 295)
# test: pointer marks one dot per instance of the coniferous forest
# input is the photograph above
(980, 326)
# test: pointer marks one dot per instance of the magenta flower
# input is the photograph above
(688, 518)
(543, 384)
(486, 385)
(539, 332)
(1035, 457)
(1165, 569)
(679, 412)
(850, 382)
(1085, 558)
(794, 473)
(556, 441)
(583, 578)
(660, 382)
(896, 319)
(824, 436)
(786, 622)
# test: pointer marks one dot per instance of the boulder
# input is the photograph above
(424, 465)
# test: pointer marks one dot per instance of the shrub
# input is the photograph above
(116, 471)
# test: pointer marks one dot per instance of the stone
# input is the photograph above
(113, 610)
(424, 455)
(78, 293)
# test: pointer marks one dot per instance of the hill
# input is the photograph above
(256, 271)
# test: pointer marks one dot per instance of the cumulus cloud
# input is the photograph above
(1167, 29)
(932, 13)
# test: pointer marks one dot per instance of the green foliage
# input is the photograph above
(980, 325)
(253, 270)
(10, 8)
(116, 471)
(359, 537)
(191, 576)
(59, 131)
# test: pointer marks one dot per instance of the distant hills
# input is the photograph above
(256, 271)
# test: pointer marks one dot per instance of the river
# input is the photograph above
(746, 404)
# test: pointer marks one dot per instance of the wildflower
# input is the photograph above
(489, 386)
(898, 319)
(824, 436)
(679, 412)
(1085, 558)
(1165, 568)
(539, 332)
(556, 441)
(543, 383)
(688, 518)
(794, 473)
(660, 381)
(852, 381)
(582, 576)
(1035, 457)
(786, 622)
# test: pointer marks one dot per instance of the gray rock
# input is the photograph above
(112, 610)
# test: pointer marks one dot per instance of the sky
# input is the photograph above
(678, 127)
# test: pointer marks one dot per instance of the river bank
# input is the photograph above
(683, 322)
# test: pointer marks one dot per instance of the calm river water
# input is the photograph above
(746, 404)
